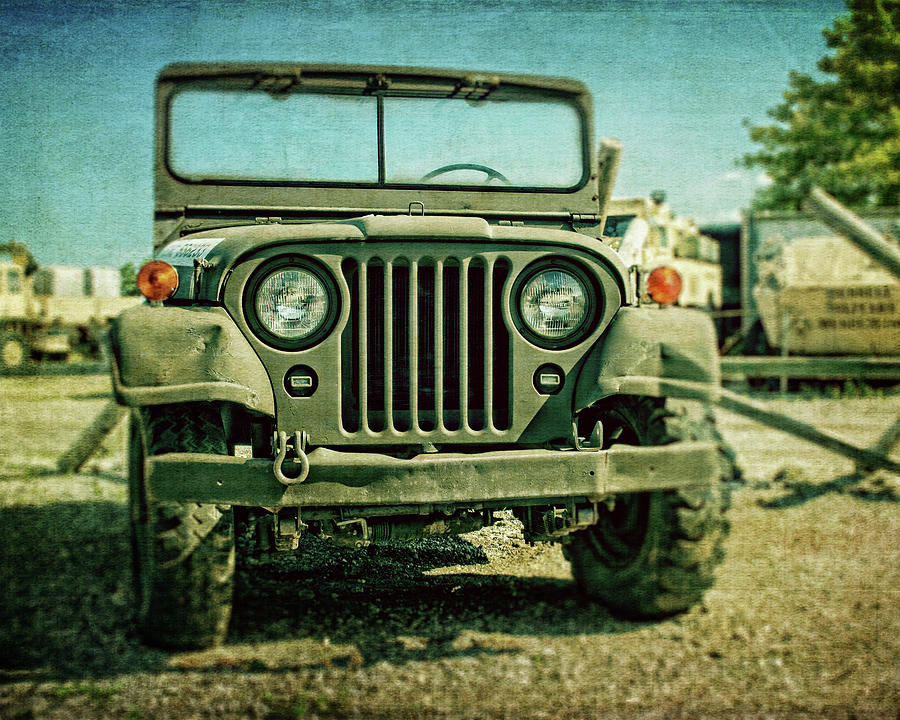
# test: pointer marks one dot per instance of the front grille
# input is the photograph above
(426, 348)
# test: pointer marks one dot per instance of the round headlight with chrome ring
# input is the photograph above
(291, 305)
(556, 303)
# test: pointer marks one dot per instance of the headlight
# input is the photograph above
(291, 306)
(555, 305)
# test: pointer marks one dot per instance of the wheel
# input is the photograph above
(488, 171)
(653, 554)
(14, 349)
(183, 554)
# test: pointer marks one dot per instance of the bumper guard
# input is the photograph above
(369, 479)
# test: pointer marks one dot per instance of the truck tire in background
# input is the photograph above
(14, 349)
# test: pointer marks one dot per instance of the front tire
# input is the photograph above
(652, 554)
(14, 350)
(183, 553)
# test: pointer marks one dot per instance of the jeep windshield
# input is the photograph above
(363, 138)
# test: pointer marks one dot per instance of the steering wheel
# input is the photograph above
(490, 172)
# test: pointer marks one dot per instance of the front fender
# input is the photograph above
(164, 355)
(650, 342)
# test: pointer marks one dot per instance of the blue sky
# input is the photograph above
(672, 79)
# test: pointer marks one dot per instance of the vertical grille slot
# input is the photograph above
(425, 333)
(426, 348)
(449, 368)
(500, 377)
(473, 413)
(372, 378)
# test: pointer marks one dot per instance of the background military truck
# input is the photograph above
(381, 307)
(652, 236)
(815, 292)
(51, 311)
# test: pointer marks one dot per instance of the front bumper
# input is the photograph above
(498, 478)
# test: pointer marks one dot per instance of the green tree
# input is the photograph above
(128, 273)
(18, 253)
(841, 133)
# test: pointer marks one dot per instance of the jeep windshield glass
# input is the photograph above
(254, 136)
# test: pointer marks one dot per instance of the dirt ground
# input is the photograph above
(803, 622)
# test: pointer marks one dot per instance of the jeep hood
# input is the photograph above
(222, 248)
(190, 184)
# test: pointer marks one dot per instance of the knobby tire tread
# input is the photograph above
(686, 527)
(185, 582)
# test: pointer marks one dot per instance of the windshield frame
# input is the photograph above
(382, 83)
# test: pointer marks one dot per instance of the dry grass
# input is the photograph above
(804, 620)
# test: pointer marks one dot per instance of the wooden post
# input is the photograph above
(89, 441)
(850, 225)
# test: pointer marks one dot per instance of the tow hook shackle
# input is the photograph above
(281, 440)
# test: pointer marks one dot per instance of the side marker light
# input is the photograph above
(157, 280)
(664, 285)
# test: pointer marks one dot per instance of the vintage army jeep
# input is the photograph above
(381, 307)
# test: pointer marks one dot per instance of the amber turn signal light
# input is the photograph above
(157, 280)
(664, 285)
